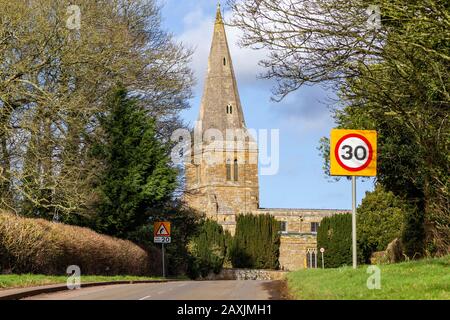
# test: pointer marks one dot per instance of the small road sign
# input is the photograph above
(322, 250)
(161, 232)
(162, 239)
(353, 152)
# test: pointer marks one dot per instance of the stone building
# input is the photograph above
(222, 174)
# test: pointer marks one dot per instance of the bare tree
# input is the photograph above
(53, 80)
(389, 62)
(329, 41)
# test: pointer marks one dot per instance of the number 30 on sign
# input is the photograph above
(353, 152)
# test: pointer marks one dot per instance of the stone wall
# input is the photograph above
(299, 221)
(247, 274)
(293, 250)
(209, 191)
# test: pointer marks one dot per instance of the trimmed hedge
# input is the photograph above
(40, 246)
(335, 235)
(256, 243)
(208, 250)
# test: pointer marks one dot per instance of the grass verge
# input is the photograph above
(9, 281)
(424, 280)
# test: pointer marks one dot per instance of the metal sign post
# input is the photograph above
(161, 234)
(163, 266)
(354, 220)
(353, 153)
(322, 250)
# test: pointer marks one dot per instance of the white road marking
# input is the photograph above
(144, 297)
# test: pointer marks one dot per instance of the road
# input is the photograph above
(177, 290)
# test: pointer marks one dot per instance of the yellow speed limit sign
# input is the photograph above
(353, 152)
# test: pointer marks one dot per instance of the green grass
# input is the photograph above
(8, 281)
(423, 279)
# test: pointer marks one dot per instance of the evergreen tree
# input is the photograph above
(184, 224)
(256, 242)
(335, 236)
(138, 177)
(208, 249)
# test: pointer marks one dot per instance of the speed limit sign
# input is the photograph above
(353, 152)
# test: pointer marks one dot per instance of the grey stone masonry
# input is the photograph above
(220, 105)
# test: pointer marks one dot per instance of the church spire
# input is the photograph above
(220, 105)
(218, 14)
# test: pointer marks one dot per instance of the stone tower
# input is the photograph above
(222, 175)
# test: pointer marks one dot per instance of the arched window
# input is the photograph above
(308, 259)
(311, 258)
(228, 168)
(224, 61)
(236, 171)
(229, 108)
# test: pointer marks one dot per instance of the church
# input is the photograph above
(222, 172)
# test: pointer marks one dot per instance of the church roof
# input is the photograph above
(220, 105)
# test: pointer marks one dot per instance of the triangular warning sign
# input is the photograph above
(162, 231)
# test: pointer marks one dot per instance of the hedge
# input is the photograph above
(335, 236)
(40, 246)
(256, 243)
(208, 249)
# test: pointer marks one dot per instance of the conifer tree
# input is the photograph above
(256, 242)
(208, 249)
(138, 177)
(335, 236)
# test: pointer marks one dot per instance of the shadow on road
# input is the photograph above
(277, 290)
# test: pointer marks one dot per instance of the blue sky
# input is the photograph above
(302, 117)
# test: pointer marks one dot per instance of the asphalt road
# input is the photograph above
(177, 290)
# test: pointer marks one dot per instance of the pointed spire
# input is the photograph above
(220, 106)
(218, 14)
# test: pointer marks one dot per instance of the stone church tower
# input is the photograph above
(222, 171)
(222, 175)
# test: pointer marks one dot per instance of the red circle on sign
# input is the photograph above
(353, 135)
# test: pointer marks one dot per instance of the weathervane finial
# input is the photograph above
(218, 14)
